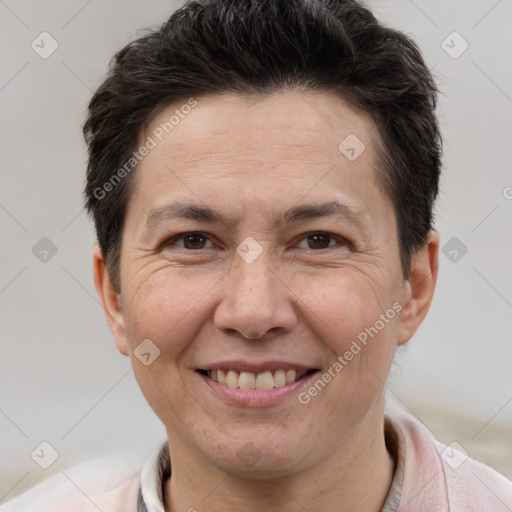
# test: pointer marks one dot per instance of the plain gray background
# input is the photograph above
(61, 378)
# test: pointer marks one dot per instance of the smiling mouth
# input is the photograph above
(261, 381)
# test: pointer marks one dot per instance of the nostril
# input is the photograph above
(249, 337)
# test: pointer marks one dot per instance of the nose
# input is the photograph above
(256, 301)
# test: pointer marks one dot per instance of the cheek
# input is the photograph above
(346, 317)
(167, 307)
(353, 315)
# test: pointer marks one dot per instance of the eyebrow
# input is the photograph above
(305, 212)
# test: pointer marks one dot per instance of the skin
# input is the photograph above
(301, 301)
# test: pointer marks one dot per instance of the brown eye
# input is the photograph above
(194, 241)
(189, 241)
(318, 241)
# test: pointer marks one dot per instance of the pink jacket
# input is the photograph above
(430, 477)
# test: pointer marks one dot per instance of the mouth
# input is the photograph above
(265, 380)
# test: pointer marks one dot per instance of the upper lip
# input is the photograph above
(253, 367)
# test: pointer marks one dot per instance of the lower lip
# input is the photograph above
(256, 397)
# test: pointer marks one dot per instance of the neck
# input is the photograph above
(357, 475)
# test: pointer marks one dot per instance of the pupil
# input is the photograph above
(194, 240)
(318, 239)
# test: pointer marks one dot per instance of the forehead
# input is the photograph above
(291, 120)
(294, 141)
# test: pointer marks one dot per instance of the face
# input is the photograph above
(259, 253)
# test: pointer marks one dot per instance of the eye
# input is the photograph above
(189, 241)
(197, 241)
(320, 240)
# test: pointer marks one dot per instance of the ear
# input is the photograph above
(419, 289)
(110, 299)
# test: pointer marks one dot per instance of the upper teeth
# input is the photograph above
(248, 380)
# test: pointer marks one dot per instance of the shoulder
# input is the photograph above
(100, 484)
(471, 485)
(444, 477)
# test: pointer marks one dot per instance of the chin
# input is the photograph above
(259, 459)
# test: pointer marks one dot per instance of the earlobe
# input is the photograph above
(419, 289)
(110, 299)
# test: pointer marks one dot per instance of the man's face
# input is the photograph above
(266, 284)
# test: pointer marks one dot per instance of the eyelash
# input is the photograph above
(182, 236)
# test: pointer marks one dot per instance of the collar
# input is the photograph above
(395, 444)
(155, 472)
